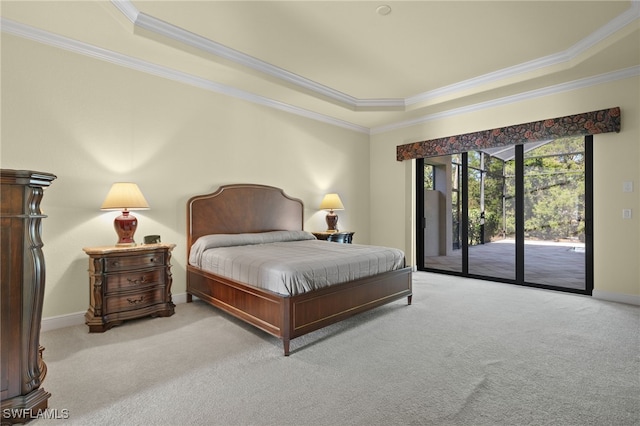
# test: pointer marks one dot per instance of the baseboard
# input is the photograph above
(69, 320)
(630, 299)
(62, 321)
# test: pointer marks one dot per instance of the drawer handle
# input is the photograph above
(142, 280)
(135, 301)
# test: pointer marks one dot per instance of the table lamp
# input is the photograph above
(332, 202)
(125, 196)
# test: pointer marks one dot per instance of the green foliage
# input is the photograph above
(429, 182)
(553, 193)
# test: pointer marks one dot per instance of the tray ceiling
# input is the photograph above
(343, 61)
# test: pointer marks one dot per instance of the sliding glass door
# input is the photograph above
(518, 214)
(491, 236)
(555, 213)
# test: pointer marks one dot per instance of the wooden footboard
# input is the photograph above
(291, 317)
(263, 309)
(317, 309)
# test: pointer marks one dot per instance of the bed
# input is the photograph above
(253, 211)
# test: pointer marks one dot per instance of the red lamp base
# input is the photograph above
(125, 226)
(332, 222)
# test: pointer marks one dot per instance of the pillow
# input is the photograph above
(227, 240)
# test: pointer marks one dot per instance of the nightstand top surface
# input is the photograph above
(126, 249)
(332, 232)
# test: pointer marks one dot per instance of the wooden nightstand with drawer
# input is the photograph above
(128, 283)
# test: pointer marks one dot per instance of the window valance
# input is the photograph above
(588, 123)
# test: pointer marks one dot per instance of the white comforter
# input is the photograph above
(298, 264)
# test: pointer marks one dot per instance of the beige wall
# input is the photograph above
(616, 160)
(92, 123)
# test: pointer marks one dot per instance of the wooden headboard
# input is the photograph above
(241, 208)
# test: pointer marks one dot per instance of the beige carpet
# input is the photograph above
(466, 352)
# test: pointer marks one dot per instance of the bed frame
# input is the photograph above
(244, 208)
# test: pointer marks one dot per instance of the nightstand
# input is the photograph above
(127, 283)
(337, 237)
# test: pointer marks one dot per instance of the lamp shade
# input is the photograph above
(125, 196)
(331, 202)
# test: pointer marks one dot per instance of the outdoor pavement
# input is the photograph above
(550, 263)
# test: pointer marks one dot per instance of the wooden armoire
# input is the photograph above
(23, 277)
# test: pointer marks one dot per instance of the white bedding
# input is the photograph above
(290, 262)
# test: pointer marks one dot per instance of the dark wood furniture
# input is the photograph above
(23, 280)
(127, 283)
(336, 237)
(243, 208)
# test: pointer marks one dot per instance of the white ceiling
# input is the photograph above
(344, 63)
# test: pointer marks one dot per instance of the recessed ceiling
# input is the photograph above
(346, 61)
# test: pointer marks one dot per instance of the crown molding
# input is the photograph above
(613, 26)
(187, 38)
(175, 33)
(127, 8)
(18, 29)
(532, 94)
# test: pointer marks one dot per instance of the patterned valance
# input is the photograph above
(588, 123)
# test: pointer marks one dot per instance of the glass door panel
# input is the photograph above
(442, 214)
(491, 211)
(554, 214)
